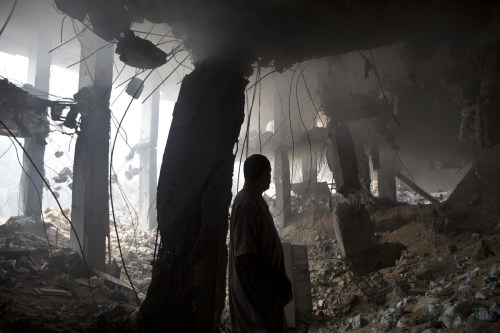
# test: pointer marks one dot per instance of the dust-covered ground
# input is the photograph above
(45, 287)
(447, 279)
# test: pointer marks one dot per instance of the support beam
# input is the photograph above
(416, 188)
(283, 208)
(359, 136)
(341, 158)
(31, 186)
(309, 169)
(352, 225)
(386, 174)
(147, 157)
(187, 290)
(90, 196)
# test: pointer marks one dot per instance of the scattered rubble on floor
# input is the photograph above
(447, 279)
(47, 288)
(442, 282)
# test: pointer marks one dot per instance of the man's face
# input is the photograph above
(266, 180)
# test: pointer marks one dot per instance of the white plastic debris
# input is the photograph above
(431, 309)
(474, 273)
(484, 314)
(479, 295)
(358, 322)
(495, 270)
(495, 308)
(403, 322)
(458, 323)
(386, 323)
(490, 282)
(463, 288)
(448, 317)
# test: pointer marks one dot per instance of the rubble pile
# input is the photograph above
(137, 245)
(45, 286)
(137, 248)
(474, 206)
(446, 280)
(333, 292)
(413, 198)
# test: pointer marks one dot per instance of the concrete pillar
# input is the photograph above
(353, 229)
(359, 135)
(90, 195)
(188, 284)
(147, 157)
(31, 186)
(386, 174)
(281, 163)
(309, 169)
(282, 184)
(341, 159)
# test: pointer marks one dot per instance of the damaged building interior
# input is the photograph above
(124, 125)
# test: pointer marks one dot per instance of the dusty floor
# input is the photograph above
(437, 273)
(447, 280)
(31, 270)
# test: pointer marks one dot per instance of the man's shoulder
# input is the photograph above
(245, 199)
(246, 196)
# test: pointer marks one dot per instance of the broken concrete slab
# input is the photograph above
(111, 281)
(52, 292)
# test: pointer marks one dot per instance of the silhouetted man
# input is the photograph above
(258, 285)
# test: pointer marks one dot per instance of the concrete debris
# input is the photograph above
(63, 175)
(135, 87)
(52, 292)
(139, 53)
(43, 284)
(437, 284)
(440, 282)
(112, 282)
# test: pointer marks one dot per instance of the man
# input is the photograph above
(258, 285)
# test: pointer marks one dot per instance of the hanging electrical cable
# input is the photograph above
(307, 134)
(245, 140)
(111, 193)
(9, 17)
(7, 150)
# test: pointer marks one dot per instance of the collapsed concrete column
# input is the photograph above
(309, 169)
(282, 184)
(90, 195)
(341, 158)
(359, 137)
(187, 290)
(31, 186)
(386, 174)
(281, 162)
(147, 157)
(351, 221)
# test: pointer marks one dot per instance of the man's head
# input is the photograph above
(257, 171)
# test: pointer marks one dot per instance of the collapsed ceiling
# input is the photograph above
(25, 114)
(280, 33)
(285, 32)
(438, 80)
